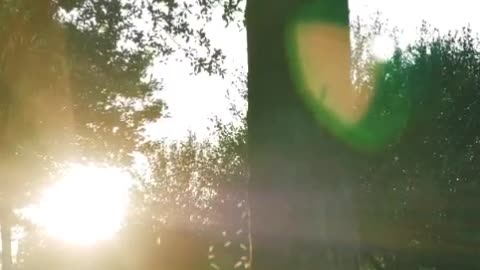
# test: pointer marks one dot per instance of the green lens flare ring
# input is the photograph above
(318, 48)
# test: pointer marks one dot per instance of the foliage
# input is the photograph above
(75, 83)
(188, 210)
(93, 58)
(426, 181)
(196, 192)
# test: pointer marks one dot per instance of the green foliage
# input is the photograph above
(75, 84)
(196, 192)
(420, 190)
(91, 84)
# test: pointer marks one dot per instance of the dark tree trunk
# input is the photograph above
(301, 177)
(6, 236)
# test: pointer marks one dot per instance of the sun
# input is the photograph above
(86, 206)
(383, 48)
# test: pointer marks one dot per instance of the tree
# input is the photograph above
(189, 211)
(75, 86)
(22, 55)
(426, 180)
(414, 199)
(310, 133)
(193, 201)
(302, 176)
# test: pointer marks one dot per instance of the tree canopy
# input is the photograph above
(76, 86)
(427, 179)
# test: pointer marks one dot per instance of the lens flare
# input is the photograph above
(368, 117)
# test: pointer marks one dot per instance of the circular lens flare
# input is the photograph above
(318, 45)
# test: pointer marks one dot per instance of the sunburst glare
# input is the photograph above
(86, 206)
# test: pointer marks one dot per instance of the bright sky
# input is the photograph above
(192, 100)
(445, 14)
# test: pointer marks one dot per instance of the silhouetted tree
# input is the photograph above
(75, 85)
(301, 176)
(189, 211)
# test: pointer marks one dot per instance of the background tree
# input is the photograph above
(426, 180)
(189, 210)
(195, 197)
(75, 83)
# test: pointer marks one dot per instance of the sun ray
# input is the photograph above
(86, 206)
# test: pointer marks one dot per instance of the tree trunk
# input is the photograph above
(6, 236)
(301, 177)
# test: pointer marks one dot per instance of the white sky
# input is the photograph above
(192, 100)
